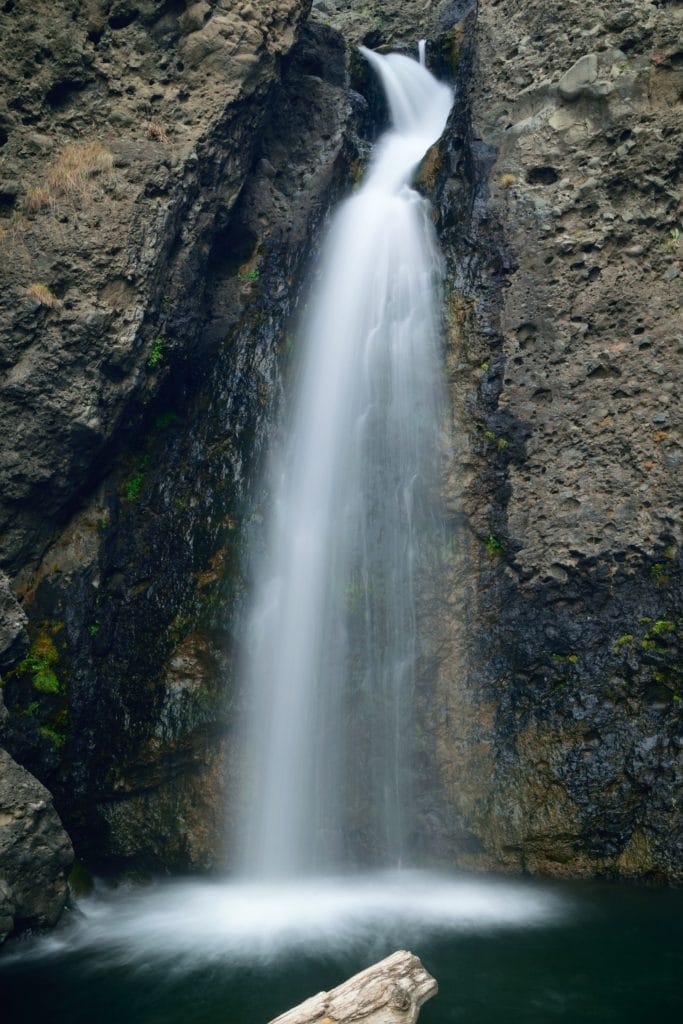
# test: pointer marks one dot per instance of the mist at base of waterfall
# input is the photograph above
(184, 924)
(542, 952)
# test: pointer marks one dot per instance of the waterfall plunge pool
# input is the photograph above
(502, 951)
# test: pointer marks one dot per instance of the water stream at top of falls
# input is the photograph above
(332, 636)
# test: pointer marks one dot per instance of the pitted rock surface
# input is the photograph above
(558, 713)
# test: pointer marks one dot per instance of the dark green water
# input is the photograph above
(616, 957)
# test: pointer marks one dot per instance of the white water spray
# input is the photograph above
(422, 52)
(332, 634)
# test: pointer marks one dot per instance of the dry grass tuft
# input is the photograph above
(69, 174)
(17, 226)
(75, 166)
(156, 130)
(42, 293)
(428, 172)
(506, 180)
(36, 199)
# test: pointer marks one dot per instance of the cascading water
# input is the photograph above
(333, 630)
(332, 635)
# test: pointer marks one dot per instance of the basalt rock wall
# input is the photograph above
(557, 185)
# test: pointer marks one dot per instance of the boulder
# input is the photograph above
(35, 852)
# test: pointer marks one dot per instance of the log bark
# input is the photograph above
(390, 992)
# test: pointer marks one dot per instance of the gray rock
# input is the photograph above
(559, 675)
(6, 908)
(13, 639)
(35, 851)
(580, 75)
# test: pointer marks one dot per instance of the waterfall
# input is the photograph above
(331, 644)
(332, 640)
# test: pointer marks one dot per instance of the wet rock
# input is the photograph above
(6, 911)
(35, 852)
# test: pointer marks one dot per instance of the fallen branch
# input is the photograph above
(390, 992)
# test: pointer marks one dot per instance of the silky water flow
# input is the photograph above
(332, 635)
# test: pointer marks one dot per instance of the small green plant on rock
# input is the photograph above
(133, 486)
(493, 545)
(500, 442)
(157, 354)
(671, 244)
(661, 627)
(56, 738)
(40, 662)
(179, 627)
(249, 275)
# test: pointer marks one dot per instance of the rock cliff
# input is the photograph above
(558, 710)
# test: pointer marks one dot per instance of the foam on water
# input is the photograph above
(186, 923)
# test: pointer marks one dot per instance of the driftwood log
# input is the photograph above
(390, 992)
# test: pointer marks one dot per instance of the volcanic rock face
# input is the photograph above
(125, 126)
(559, 709)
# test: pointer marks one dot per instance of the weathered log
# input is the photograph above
(390, 992)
